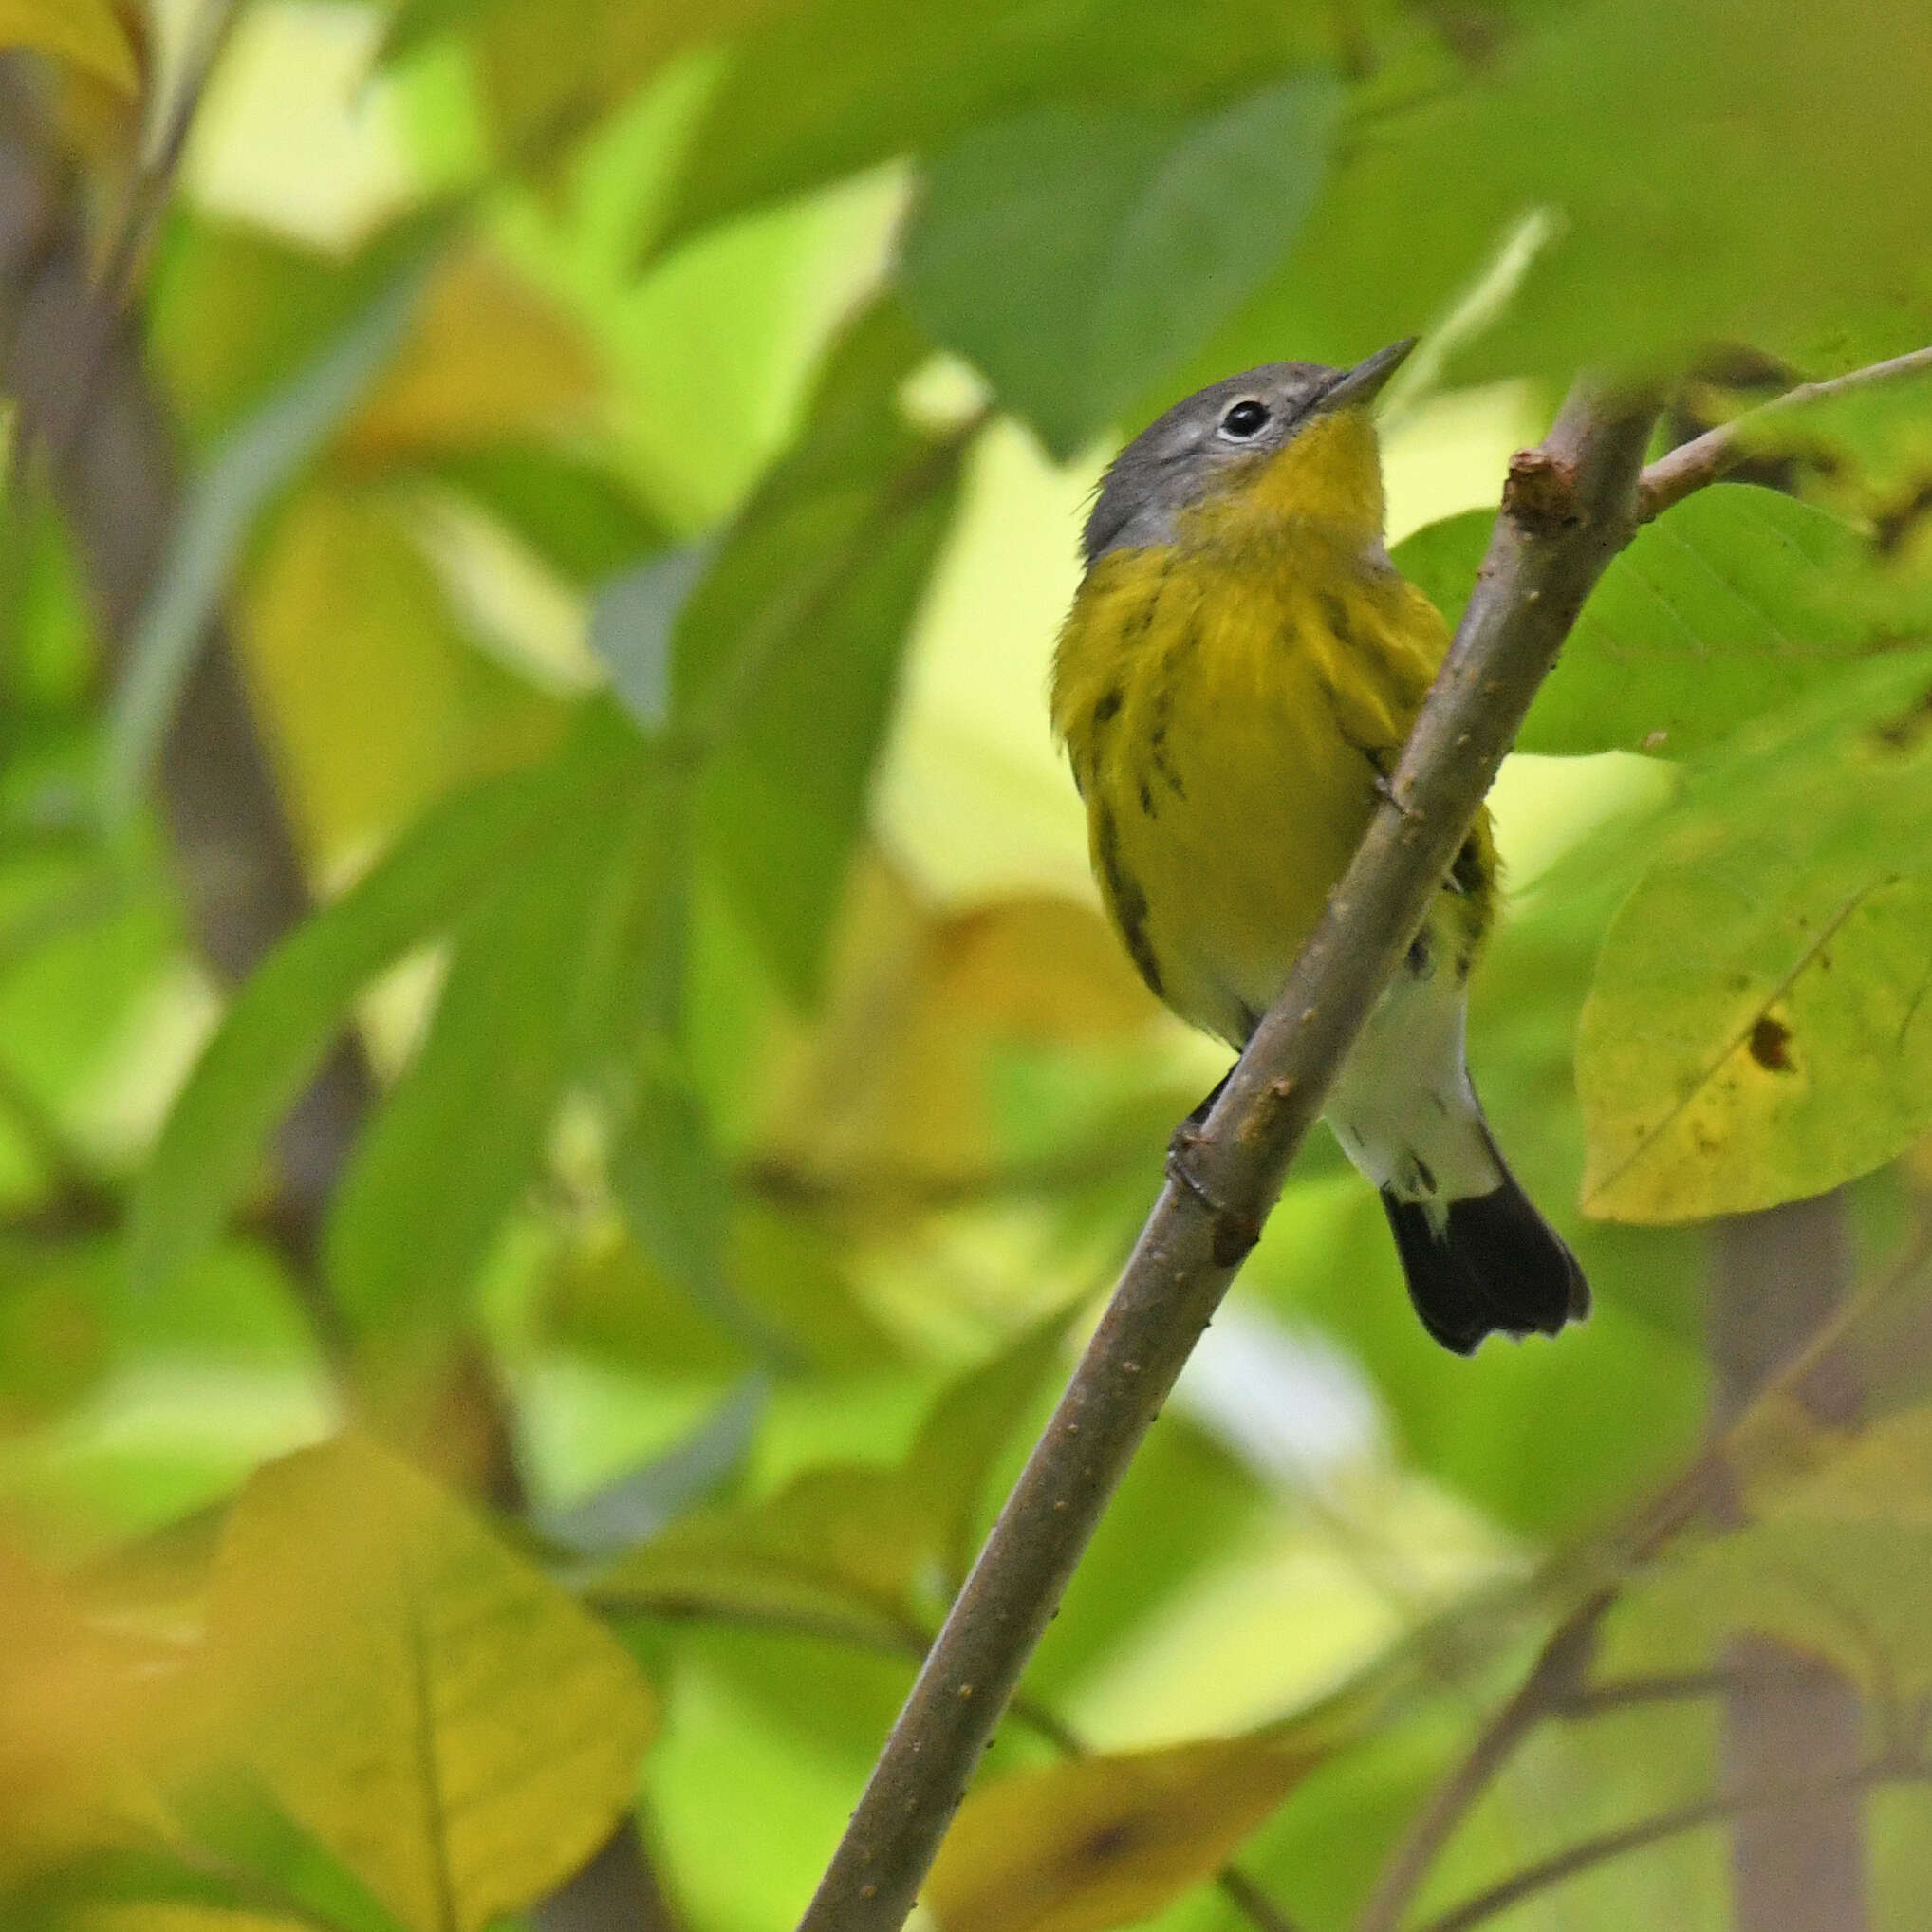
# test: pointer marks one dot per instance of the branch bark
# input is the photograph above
(1570, 507)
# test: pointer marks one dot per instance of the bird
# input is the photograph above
(1234, 684)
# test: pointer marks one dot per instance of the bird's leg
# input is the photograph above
(1235, 1234)
(1385, 789)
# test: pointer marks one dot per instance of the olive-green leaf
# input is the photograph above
(826, 88)
(1078, 254)
(786, 654)
(869, 1551)
(546, 981)
(284, 1020)
(88, 32)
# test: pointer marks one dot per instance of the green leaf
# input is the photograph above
(787, 653)
(1759, 1027)
(574, 515)
(1852, 1592)
(865, 1551)
(252, 463)
(642, 1502)
(546, 984)
(1693, 155)
(446, 1721)
(278, 1864)
(1078, 254)
(286, 1018)
(69, 1893)
(822, 90)
(958, 1444)
(681, 1208)
(1737, 602)
(1104, 1841)
(1884, 1474)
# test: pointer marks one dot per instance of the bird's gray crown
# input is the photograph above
(1177, 459)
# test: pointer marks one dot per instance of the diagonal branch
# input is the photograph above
(1570, 507)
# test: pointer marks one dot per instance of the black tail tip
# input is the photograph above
(1495, 1266)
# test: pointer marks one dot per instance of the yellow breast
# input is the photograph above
(1228, 701)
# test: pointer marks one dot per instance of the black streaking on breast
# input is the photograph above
(1129, 903)
(1335, 615)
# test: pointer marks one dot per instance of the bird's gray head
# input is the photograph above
(1181, 457)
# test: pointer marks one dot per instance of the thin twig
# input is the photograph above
(1568, 511)
(1638, 1692)
(1254, 1903)
(1706, 458)
(1554, 1678)
(1609, 1845)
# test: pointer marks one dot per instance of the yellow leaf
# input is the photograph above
(76, 1715)
(894, 1079)
(491, 360)
(88, 32)
(376, 703)
(1103, 1841)
(448, 1723)
(1883, 1475)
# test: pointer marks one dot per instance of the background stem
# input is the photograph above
(1776, 1279)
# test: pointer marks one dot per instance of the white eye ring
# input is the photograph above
(1245, 420)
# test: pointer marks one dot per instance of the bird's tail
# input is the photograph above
(1486, 1263)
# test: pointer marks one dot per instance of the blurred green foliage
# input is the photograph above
(636, 451)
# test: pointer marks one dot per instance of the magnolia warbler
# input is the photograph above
(1234, 684)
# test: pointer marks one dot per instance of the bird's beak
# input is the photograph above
(1357, 387)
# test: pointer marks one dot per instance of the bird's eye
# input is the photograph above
(1245, 420)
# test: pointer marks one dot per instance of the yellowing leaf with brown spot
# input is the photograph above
(1760, 1023)
(88, 32)
(491, 360)
(442, 1717)
(1106, 1841)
